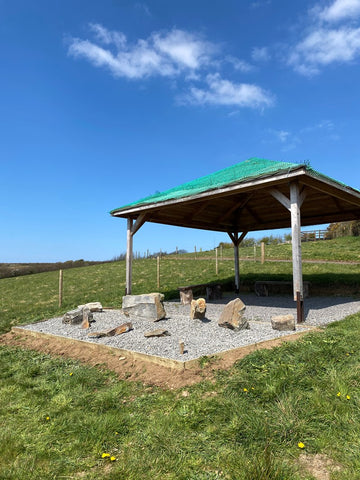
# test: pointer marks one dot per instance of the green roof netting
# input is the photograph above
(249, 169)
(241, 172)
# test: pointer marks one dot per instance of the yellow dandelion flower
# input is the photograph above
(245, 389)
(47, 418)
(301, 445)
(347, 397)
(105, 455)
(112, 459)
(338, 394)
(71, 373)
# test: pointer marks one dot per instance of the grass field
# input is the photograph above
(258, 420)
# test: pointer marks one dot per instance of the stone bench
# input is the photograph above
(213, 292)
(263, 288)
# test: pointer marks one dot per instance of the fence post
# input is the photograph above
(216, 262)
(195, 250)
(254, 252)
(262, 252)
(60, 287)
(158, 271)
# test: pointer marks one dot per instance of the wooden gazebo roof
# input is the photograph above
(252, 195)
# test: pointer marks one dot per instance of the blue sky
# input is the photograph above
(103, 103)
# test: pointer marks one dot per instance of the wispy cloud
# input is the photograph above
(225, 92)
(176, 54)
(143, 7)
(339, 10)
(260, 54)
(238, 64)
(288, 140)
(162, 54)
(260, 3)
(324, 44)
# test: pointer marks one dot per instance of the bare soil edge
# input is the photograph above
(133, 366)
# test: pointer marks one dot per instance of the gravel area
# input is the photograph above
(203, 337)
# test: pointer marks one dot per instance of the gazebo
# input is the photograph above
(253, 195)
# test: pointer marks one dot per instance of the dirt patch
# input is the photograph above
(319, 466)
(128, 367)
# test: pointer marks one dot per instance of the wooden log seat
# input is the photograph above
(213, 292)
(264, 288)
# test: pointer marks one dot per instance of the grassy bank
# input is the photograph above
(258, 420)
(59, 418)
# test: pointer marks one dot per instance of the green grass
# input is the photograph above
(58, 417)
(35, 297)
(340, 249)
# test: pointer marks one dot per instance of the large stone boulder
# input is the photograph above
(283, 322)
(233, 316)
(148, 306)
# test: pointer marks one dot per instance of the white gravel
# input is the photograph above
(203, 337)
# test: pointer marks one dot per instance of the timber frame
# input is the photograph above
(295, 198)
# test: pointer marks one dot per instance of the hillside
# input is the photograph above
(35, 297)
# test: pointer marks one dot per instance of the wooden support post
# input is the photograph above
(129, 257)
(254, 252)
(236, 241)
(299, 308)
(216, 262)
(296, 249)
(262, 252)
(158, 271)
(237, 273)
(60, 287)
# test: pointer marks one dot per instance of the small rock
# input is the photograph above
(86, 314)
(157, 333)
(198, 309)
(232, 316)
(92, 306)
(181, 347)
(125, 327)
(283, 322)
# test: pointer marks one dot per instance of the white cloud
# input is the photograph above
(164, 54)
(260, 3)
(107, 37)
(143, 8)
(183, 48)
(176, 54)
(260, 54)
(225, 92)
(325, 43)
(325, 125)
(238, 64)
(340, 10)
(323, 47)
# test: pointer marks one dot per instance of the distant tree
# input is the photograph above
(343, 229)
